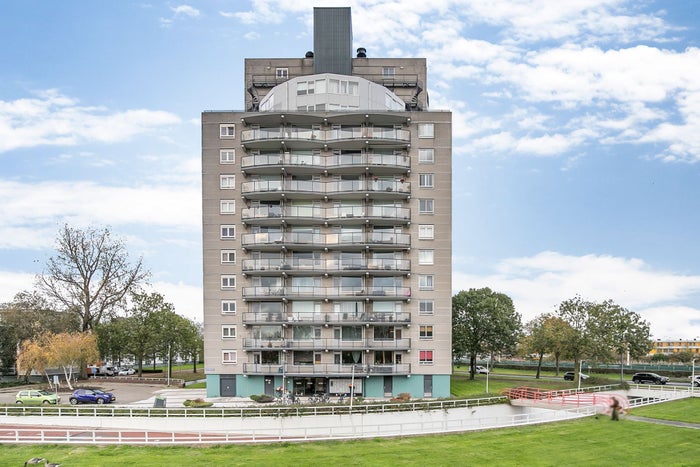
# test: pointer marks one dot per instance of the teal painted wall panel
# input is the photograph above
(213, 386)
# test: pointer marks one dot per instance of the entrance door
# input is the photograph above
(227, 386)
(269, 386)
(388, 386)
(428, 386)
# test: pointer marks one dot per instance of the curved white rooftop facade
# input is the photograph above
(330, 92)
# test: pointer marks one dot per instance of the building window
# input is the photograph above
(426, 232)
(227, 156)
(228, 281)
(228, 332)
(228, 256)
(426, 257)
(425, 180)
(426, 206)
(228, 206)
(228, 307)
(227, 131)
(426, 332)
(425, 307)
(425, 357)
(227, 182)
(426, 130)
(228, 356)
(426, 156)
(228, 231)
(425, 281)
(388, 71)
(282, 73)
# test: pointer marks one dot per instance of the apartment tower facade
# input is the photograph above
(327, 227)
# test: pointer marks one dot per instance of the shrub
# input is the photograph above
(197, 403)
(402, 397)
(262, 398)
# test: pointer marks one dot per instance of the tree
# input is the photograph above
(71, 351)
(68, 351)
(575, 312)
(483, 321)
(143, 325)
(33, 356)
(603, 331)
(113, 339)
(28, 315)
(546, 333)
(90, 275)
(192, 342)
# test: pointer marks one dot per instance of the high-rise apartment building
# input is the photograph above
(327, 227)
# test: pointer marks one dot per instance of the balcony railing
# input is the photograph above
(390, 239)
(308, 134)
(329, 369)
(274, 292)
(352, 159)
(331, 187)
(305, 318)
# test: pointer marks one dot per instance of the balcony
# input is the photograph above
(347, 138)
(276, 293)
(275, 162)
(327, 370)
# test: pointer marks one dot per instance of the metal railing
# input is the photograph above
(243, 412)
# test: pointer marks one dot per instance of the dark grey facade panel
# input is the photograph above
(333, 40)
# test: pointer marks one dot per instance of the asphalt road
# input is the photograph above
(126, 393)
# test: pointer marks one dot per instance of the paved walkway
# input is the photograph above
(659, 421)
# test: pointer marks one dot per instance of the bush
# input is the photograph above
(402, 397)
(262, 398)
(197, 403)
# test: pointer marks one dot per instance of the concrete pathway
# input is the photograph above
(658, 421)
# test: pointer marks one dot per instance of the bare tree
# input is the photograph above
(90, 274)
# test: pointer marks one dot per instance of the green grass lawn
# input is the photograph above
(684, 410)
(591, 441)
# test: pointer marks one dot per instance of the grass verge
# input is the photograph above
(591, 441)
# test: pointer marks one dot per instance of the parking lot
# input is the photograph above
(126, 393)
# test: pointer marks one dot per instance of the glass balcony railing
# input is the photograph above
(311, 369)
(279, 292)
(308, 134)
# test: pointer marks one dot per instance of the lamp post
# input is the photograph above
(580, 366)
(352, 386)
(168, 365)
(487, 376)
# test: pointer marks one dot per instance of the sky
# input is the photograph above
(576, 126)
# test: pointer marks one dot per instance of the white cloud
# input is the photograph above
(538, 284)
(185, 10)
(12, 282)
(51, 118)
(29, 210)
(187, 299)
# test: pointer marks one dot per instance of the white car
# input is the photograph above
(126, 371)
(481, 370)
(695, 382)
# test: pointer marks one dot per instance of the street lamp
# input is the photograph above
(487, 376)
(352, 386)
(580, 366)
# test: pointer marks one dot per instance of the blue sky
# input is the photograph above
(576, 135)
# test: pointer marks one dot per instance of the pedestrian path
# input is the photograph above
(659, 421)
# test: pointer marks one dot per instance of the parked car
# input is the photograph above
(91, 396)
(696, 381)
(126, 371)
(37, 397)
(481, 370)
(569, 376)
(650, 378)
